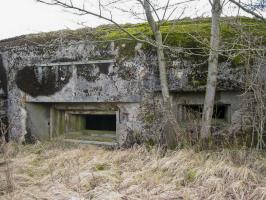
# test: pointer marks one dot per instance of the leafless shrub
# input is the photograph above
(5, 149)
(255, 103)
(193, 120)
(254, 106)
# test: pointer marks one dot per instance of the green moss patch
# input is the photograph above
(101, 167)
(175, 33)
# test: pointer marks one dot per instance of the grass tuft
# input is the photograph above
(59, 171)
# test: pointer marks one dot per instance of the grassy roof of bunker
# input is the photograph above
(179, 33)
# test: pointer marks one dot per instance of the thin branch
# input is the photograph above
(173, 26)
(175, 4)
(165, 10)
(85, 12)
(247, 10)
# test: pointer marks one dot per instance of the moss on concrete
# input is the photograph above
(149, 118)
(186, 33)
(181, 33)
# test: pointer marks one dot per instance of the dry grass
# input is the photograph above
(60, 172)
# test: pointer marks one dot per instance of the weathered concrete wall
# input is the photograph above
(126, 80)
(3, 78)
(38, 120)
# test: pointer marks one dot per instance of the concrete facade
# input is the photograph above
(50, 88)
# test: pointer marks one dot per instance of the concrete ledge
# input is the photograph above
(109, 144)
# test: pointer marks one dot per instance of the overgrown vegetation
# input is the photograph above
(62, 171)
(180, 33)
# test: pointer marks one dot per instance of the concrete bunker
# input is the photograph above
(70, 89)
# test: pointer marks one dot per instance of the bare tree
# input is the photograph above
(256, 101)
(255, 98)
(217, 6)
(254, 105)
(168, 110)
(212, 69)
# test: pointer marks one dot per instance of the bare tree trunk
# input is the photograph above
(170, 135)
(212, 70)
(163, 72)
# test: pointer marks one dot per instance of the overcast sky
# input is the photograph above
(20, 17)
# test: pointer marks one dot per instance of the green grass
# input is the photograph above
(101, 166)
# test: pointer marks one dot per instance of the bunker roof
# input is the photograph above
(184, 33)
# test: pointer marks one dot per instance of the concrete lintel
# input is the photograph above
(81, 108)
(92, 112)
(74, 63)
(55, 101)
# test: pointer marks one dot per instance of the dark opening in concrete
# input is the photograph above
(220, 111)
(101, 122)
(94, 128)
